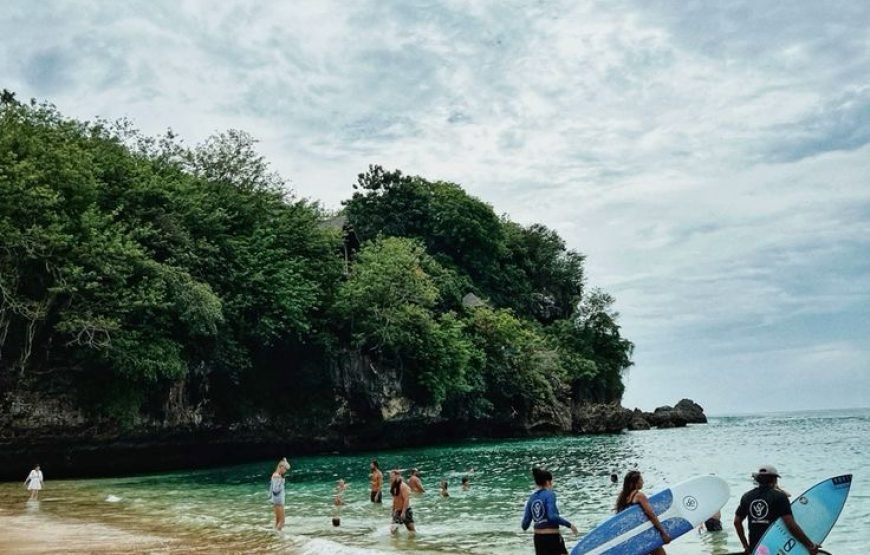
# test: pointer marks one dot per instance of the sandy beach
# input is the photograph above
(41, 534)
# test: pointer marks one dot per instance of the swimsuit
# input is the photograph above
(550, 544)
(409, 516)
(376, 497)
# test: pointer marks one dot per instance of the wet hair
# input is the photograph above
(396, 483)
(465, 479)
(629, 485)
(375, 464)
(413, 472)
(542, 476)
(336, 521)
(444, 484)
(614, 478)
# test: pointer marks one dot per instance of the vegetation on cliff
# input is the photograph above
(137, 274)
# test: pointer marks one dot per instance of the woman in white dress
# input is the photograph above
(34, 482)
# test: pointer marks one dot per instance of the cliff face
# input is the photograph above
(371, 411)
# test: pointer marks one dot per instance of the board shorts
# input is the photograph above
(376, 497)
(409, 517)
(550, 544)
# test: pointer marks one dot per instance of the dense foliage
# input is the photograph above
(133, 269)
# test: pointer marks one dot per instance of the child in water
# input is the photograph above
(444, 492)
(338, 502)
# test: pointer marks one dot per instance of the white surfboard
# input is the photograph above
(679, 508)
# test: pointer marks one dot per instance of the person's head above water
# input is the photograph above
(375, 465)
(413, 472)
(766, 475)
(543, 478)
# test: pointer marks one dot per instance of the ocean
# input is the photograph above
(227, 509)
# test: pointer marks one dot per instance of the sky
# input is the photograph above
(711, 159)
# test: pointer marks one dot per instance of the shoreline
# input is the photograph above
(31, 534)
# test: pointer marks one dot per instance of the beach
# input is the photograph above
(26, 534)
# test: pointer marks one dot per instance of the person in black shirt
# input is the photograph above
(763, 505)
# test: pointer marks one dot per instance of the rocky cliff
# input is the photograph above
(370, 412)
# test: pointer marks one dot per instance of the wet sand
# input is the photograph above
(32, 534)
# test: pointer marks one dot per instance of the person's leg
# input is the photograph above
(280, 517)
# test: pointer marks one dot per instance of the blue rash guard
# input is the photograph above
(541, 508)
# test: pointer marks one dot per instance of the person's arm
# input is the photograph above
(741, 533)
(406, 502)
(799, 534)
(527, 515)
(641, 499)
(553, 513)
(277, 485)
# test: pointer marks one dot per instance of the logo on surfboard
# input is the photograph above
(690, 503)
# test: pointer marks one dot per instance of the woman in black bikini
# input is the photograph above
(631, 494)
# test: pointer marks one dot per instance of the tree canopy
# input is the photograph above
(130, 266)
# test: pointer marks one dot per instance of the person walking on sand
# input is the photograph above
(764, 505)
(278, 492)
(376, 479)
(541, 509)
(34, 482)
(402, 512)
(631, 494)
(415, 483)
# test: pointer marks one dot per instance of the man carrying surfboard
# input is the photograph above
(763, 506)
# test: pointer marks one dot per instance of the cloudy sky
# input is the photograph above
(712, 159)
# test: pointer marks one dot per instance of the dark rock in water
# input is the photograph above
(600, 419)
(638, 421)
(691, 411)
(683, 413)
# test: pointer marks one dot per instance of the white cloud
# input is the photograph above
(711, 162)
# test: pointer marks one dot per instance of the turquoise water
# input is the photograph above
(228, 508)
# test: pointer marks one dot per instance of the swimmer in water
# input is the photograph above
(415, 483)
(444, 492)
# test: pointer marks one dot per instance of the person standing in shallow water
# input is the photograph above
(376, 479)
(541, 509)
(402, 512)
(34, 482)
(278, 493)
(764, 505)
(631, 494)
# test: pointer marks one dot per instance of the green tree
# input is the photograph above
(388, 302)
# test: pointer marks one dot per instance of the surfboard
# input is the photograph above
(816, 511)
(679, 508)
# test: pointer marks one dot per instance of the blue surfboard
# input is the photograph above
(815, 511)
(679, 508)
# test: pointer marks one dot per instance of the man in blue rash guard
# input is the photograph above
(541, 509)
